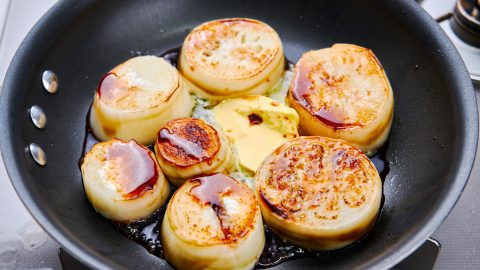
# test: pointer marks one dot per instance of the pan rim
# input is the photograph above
(404, 247)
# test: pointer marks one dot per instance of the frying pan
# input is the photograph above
(431, 148)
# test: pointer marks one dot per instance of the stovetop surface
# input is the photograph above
(24, 245)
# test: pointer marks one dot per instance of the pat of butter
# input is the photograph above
(257, 125)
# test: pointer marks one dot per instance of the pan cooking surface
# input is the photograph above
(431, 147)
(276, 251)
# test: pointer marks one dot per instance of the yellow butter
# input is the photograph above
(272, 124)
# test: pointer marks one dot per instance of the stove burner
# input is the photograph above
(466, 21)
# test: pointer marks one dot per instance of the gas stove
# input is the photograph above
(23, 245)
(462, 25)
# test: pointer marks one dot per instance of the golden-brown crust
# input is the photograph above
(212, 191)
(200, 84)
(324, 242)
(326, 84)
(207, 39)
(316, 176)
(187, 141)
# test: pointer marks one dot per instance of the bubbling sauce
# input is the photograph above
(146, 232)
(276, 251)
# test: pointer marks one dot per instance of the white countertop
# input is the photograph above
(23, 244)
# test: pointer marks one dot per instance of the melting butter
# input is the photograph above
(274, 123)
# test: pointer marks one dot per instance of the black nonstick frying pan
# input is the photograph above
(431, 148)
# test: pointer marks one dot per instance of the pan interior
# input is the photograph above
(431, 133)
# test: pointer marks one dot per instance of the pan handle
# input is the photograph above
(421, 259)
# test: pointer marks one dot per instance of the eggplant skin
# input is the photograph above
(231, 57)
(221, 229)
(343, 92)
(319, 193)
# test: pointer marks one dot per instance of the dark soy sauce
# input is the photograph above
(254, 119)
(146, 232)
(277, 251)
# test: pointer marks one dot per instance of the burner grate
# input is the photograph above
(466, 21)
(460, 20)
